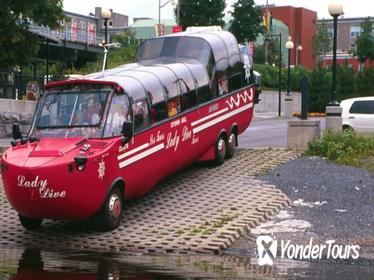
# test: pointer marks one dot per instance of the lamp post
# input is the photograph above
(160, 6)
(335, 10)
(279, 73)
(333, 110)
(289, 47)
(106, 14)
(298, 49)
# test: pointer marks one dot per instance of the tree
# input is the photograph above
(18, 45)
(246, 24)
(201, 12)
(273, 52)
(321, 43)
(365, 42)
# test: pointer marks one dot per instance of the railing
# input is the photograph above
(87, 36)
(17, 85)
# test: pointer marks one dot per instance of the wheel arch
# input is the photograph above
(120, 183)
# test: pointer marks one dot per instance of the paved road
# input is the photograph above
(264, 133)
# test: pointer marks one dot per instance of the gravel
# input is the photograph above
(337, 200)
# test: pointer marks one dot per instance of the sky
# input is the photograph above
(149, 8)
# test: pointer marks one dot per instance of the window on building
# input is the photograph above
(355, 31)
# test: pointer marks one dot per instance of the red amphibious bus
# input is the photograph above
(113, 135)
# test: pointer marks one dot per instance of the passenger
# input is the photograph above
(80, 119)
(173, 107)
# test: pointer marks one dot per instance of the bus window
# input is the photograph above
(133, 87)
(202, 81)
(141, 114)
(223, 86)
(118, 113)
(159, 112)
(151, 84)
(235, 82)
(150, 49)
(167, 78)
(188, 100)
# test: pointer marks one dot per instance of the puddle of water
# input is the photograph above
(28, 264)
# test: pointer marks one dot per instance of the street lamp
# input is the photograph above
(106, 14)
(289, 47)
(279, 73)
(160, 6)
(298, 49)
(335, 10)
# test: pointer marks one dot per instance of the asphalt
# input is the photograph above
(335, 199)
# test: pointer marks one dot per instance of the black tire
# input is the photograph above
(231, 144)
(220, 151)
(29, 223)
(111, 212)
(347, 128)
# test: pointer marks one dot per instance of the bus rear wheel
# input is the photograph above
(220, 151)
(112, 210)
(29, 223)
(231, 144)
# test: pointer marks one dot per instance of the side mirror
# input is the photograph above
(127, 131)
(16, 131)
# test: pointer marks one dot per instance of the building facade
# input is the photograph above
(347, 33)
(302, 25)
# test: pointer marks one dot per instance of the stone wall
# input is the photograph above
(15, 111)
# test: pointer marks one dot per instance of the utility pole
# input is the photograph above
(266, 33)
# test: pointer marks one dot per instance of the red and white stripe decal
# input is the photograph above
(221, 118)
(141, 155)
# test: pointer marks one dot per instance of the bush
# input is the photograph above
(344, 147)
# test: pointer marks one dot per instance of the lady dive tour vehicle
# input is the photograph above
(112, 135)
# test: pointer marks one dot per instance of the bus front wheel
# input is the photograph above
(112, 210)
(30, 223)
(220, 151)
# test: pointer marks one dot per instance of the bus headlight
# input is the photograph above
(80, 161)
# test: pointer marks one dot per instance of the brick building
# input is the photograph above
(348, 31)
(302, 25)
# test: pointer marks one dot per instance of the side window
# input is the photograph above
(159, 111)
(362, 107)
(235, 82)
(118, 113)
(203, 94)
(223, 86)
(141, 114)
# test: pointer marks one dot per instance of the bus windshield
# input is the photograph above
(71, 113)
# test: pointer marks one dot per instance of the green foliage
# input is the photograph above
(321, 43)
(201, 13)
(270, 76)
(365, 42)
(246, 24)
(320, 89)
(345, 87)
(18, 45)
(344, 148)
(364, 82)
(273, 52)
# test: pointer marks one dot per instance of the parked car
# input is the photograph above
(358, 114)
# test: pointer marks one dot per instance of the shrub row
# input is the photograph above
(350, 83)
